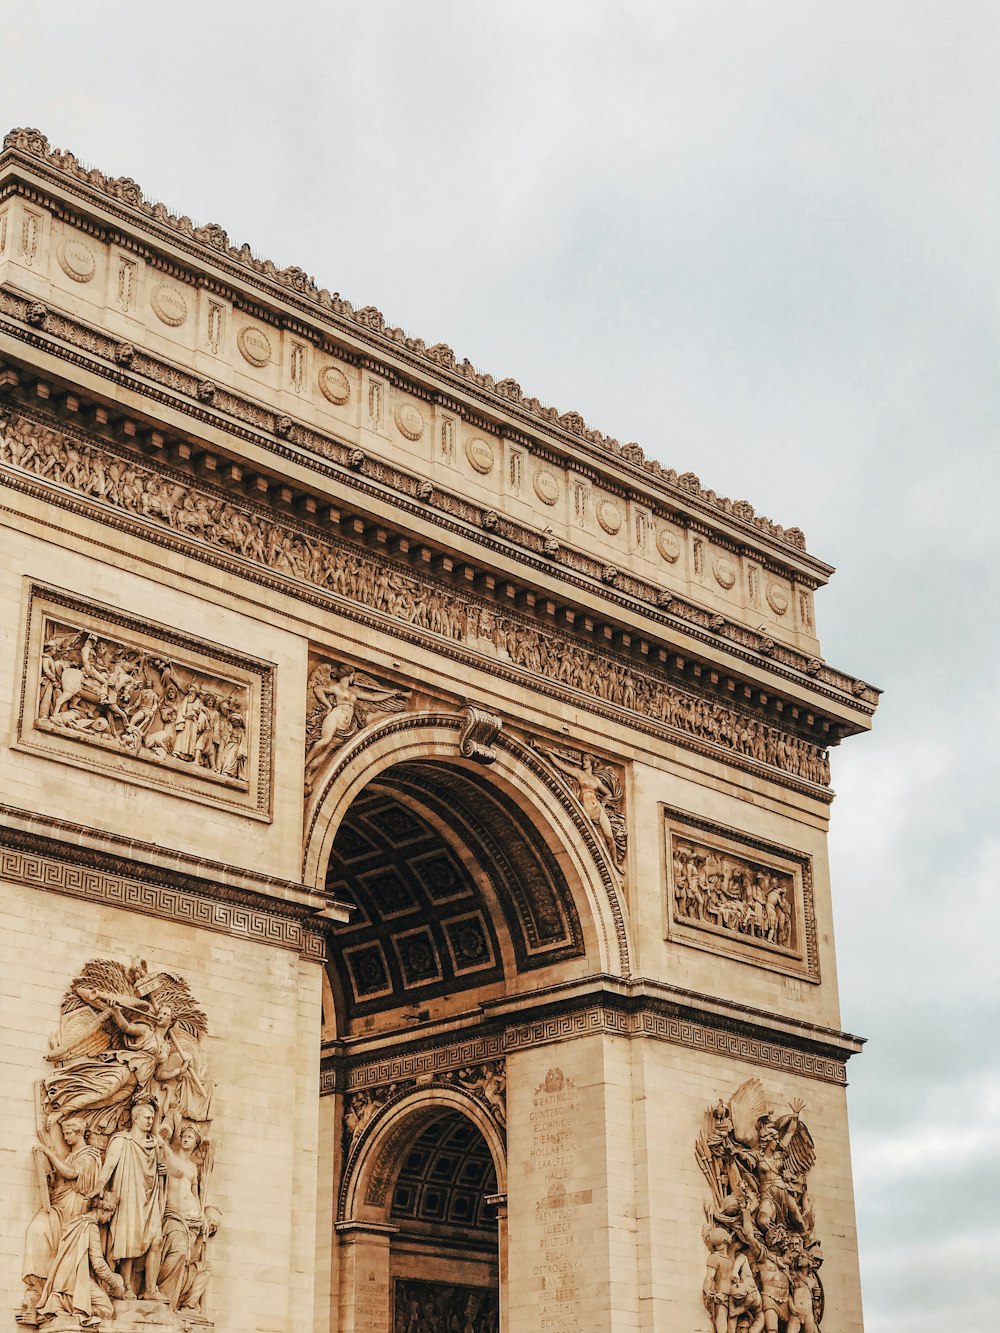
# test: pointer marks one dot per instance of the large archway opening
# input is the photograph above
(457, 897)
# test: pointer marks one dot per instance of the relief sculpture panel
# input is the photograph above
(226, 524)
(438, 1307)
(124, 1156)
(762, 1271)
(108, 692)
(738, 895)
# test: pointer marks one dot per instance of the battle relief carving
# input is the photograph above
(223, 523)
(763, 1263)
(106, 691)
(601, 792)
(342, 700)
(443, 1307)
(738, 895)
(124, 1155)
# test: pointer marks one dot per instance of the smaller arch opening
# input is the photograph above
(444, 1182)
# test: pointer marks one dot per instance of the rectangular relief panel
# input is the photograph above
(735, 894)
(106, 691)
(440, 1307)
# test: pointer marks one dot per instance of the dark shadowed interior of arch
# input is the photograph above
(444, 1181)
(452, 887)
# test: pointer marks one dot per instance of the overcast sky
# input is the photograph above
(760, 239)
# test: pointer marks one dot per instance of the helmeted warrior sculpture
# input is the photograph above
(763, 1266)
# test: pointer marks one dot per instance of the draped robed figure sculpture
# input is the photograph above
(125, 1151)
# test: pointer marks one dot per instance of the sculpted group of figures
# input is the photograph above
(732, 894)
(763, 1262)
(486, 1082)
(227, 525)
(124, 1154)
(100, 689)
(434, 1307)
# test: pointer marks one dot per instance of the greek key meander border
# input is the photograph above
(782, 659)
(161, 900)
(595, 1019)
(55, 493)
(713, 944)
(126, 620)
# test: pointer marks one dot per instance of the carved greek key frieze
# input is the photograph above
(109, 692)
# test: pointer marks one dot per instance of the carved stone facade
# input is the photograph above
(124, 1153)
(413, 804)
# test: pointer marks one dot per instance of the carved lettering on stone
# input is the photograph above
(763, 1260)
(124, 1155)
(341, 701)
(102, 690)
(601, 793)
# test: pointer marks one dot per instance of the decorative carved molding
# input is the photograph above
(166, 500)
(763, 1253)
(735, 894)
(120, 881)
(636, 1018)
(479, 734)
(740, 638)
(104, 690)
(213, 242)
(334, 385)
(125, 1153)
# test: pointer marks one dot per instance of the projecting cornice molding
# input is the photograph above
(157, 382)
(503, 399)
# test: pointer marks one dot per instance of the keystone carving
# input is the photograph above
(763, 1261)
(124, 1155)
(479, 734)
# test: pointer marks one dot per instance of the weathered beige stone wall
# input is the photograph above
(124, 807)
(673, 1087)
(263, 1012)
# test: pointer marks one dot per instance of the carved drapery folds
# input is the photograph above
(734, 893)
(104, 690)
(224, 523)
(601, 792)
(341, 701)
(763, 1256)
(125, 1151)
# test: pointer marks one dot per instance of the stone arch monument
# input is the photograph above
(416, 905)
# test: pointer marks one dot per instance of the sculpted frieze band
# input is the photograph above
(124, 1154)
(221, 522)
(109, 691)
